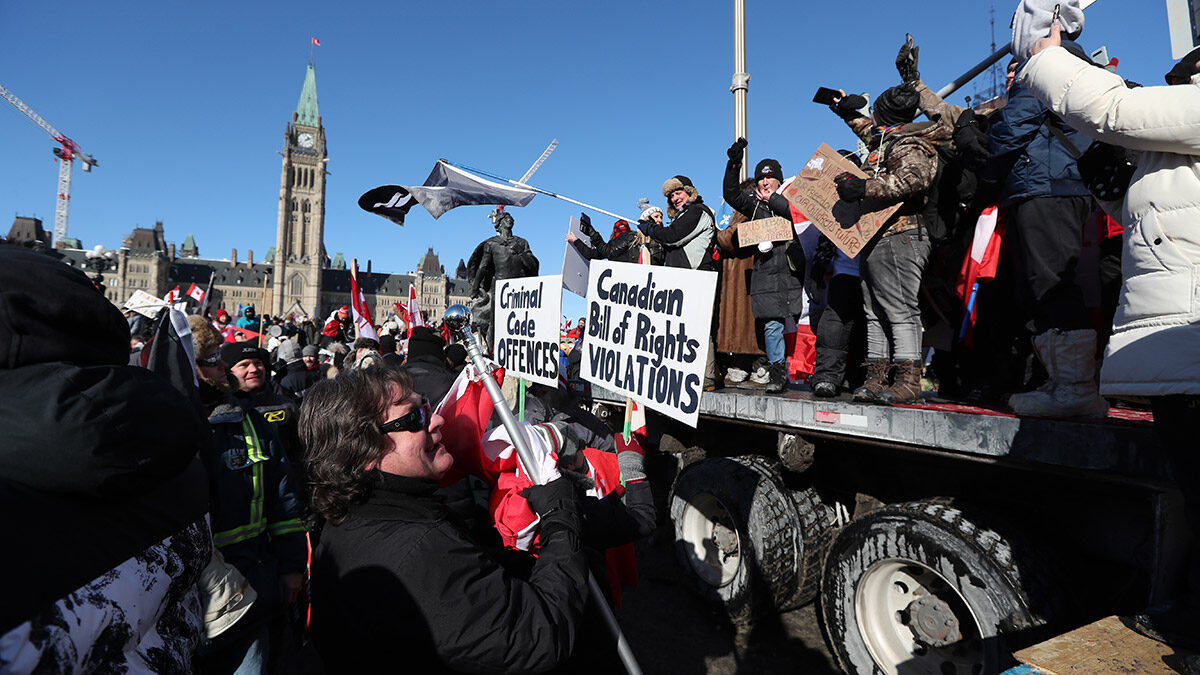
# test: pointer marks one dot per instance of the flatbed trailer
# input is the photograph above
(937, 537)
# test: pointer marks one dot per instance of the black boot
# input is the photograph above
(779, 377)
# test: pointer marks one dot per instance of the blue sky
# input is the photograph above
(185, 104)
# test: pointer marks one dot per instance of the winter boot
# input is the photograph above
(906, 385)
(1072, 390)
(779, 377)
(877, 372)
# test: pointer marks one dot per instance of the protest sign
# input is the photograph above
(848, 225)
(764, 229)
(527, 312)
(145, 304)
(575, 266)
(648, 334)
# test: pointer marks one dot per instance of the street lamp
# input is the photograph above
(100, 260)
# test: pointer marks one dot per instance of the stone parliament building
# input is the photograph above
(295, 277)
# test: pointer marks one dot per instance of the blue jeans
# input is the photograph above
(773, 340)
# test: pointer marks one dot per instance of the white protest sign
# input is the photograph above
(145, 304)
(648, 334)
(575, 266)
(527, 311)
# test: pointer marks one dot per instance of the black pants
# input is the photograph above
(840, 320)
(1049, 240)
(1175, 422)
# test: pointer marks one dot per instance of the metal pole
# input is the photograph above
(741, 79)
(983, 65)
(540, 191)
(458, 322)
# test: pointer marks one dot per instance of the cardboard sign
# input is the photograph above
(145, 304)
(848, 225)
(575, 266)
(764, 229)
(527, 312)
(648, 334)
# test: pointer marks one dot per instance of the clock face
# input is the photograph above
(305, 139)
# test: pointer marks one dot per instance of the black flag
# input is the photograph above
(390, 201)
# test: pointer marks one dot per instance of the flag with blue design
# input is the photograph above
(724, 215)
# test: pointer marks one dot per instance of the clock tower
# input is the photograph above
(300, 234)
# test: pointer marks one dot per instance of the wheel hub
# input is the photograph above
(932, 622)
(726, 540)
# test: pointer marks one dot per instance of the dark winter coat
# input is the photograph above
(296, 379)
(689, 238)
(432, 378)
(775, 290)
(1025, 158)
(399, 583)
(255, 515)
(622, 248)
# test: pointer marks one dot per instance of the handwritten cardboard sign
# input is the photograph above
(647, 334)
(764, 229)
(527, 312)
(848, 225)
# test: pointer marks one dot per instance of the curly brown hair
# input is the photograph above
(339, 426)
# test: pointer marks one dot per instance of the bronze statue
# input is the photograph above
(504, 256)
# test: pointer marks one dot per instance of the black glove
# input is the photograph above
(906, 61)
(736, 151)
(644, 226)
(851, 188)
(585, 226)
(557, 502)
(848, 106)
(971, 139)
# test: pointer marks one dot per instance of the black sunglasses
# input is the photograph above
(210, 360)
(417, 420)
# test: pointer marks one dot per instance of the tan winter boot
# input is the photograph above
(1072, 391)
(906, 385)
(877, 372)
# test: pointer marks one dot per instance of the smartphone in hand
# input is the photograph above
(825, 95)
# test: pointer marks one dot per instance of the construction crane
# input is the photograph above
(66, 155)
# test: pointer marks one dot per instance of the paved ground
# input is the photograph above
(672, 631)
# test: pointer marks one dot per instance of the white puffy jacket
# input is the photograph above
(1155, 346)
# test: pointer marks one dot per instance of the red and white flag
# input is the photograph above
(414, 309)
(196, 293)
(467, 409)
(172, 295)
(316, 42)
(981, 265)
(358, 307)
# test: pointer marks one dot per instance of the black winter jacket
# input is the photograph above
(776, 291)
(432, 378)
(621, 248)
(400, 583)
(297, 378)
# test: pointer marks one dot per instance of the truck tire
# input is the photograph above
(740, 537)
(919, 588)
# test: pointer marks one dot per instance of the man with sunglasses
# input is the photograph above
(255, 514)
(396, 575)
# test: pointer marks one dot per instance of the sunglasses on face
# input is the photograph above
(417, 420)
(210, 360)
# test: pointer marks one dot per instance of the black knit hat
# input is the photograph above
(233, 352)
(424, 342)
(1186, 67)
(50, 312)
(768, 168)
(896, 105)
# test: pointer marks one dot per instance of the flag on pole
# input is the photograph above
(415, 318)
(172, 296)
(196, 293)
(358, 307)
(316, 42)
(446, 187)
(467, 409)
(981, 265)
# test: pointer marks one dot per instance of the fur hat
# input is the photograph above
(647, 208)
(768, 168)
(678, 183)
(205, 339)
(1031, 22)
(896, 105)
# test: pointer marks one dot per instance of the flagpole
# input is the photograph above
(207, 293)
(458, 319)
(353, 295)
(540, 191)
(262, 317)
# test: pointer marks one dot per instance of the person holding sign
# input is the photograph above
(902, 163)
(625, 245)
(777, 280)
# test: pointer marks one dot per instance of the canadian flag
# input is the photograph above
(172, 295)
(196, 293)
(981, 265)
(466, 411)
(358, 307)
(414, 309)
(316, 42)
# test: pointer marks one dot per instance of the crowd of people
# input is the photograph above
(209, 495)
